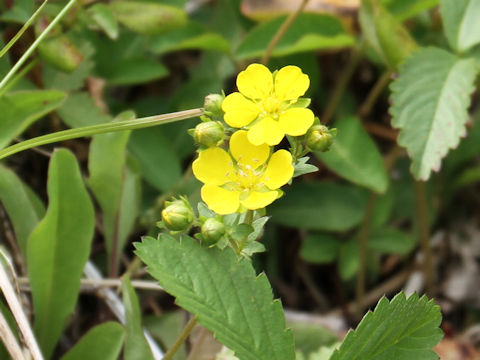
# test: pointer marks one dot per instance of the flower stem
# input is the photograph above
(100, 129)
(35, 44)
(281, 31)
(424, 233)
(181, 339)
(372, 97)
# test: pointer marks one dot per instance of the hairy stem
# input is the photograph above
(100, 129)
(181, 339)
(281, 31)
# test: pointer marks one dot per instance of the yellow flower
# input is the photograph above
(264, 101)
(248, 178)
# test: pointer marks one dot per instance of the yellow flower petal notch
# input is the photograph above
(246, 178)
(264, 104)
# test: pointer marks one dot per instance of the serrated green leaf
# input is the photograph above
(103, 342)
(21, 108)
(136, 345)
(320, 248)
(80, 110)
(191, 36)
(460, 23)
(320, 206)
(391, 241)
(104, 18)
(354, 156)
(430, 100)
(224, 293)
(58, 249)
(403, 329)
(308, 32)
(114, 187)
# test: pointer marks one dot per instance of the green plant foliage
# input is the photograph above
(191, 36)
(104, 18)
(22, 206)
(224, 294)
(320, 206)
(401, 329)
(349, 259)
(320, 248)
(405, 9)
(58, 249)
(385, 34)
(115, 188)
(103, 342)
(460, 23)
(310, 336)
(308, 32)
(167, 328)
(391, 241)
(21, 108)
(136, 345)
(430, 100)
(354, 156)
(80, 110)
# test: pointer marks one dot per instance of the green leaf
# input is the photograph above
(403, 329)
(134, 70)
(319, 248)
(405, 9)
(309, 336)
(166, 328)
(349, 259)
(80, 110)
(320, 206)
(158, 160)
(430, 100)
(391, 241)
(21, 108)
(136, 345)
(354, 156)
(103, 342)
(460, 23)
(224, 293)
(112, 184)
(308, 32)
(19, 202)
(104, 18)
(191, 36)
(58, 249)
(388, 37)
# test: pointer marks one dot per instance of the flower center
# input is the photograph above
(271, 106)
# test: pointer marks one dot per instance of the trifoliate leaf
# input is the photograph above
(224, 293)
(403, 329)
(430, 101)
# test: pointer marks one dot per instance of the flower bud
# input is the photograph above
(209, 133)
(178, 215)
(213, 105)
(212, 230)
(320, 138)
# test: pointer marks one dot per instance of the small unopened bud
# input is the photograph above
(213, 105)
(212, 231)
(320, 138)
(209, 133)
(178, 215)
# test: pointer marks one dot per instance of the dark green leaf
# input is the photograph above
(349, 259)
(241, 231)
(320, 206)
(403, 329)
(308, 32)
(58, 249)
(405, 9)
(460, 23)
(354, 156)
(20, 109)
(320, 248)
(80, 110)
(430, 100)
(136, 345)
(103, 342)
(134, 70)
(166, 328)
(224, 293)
(104, 18)
(391, 241)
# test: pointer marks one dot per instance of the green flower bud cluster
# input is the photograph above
(178, 215)
(320, 138)
(209, 133)
(213, 106)
(212, 231)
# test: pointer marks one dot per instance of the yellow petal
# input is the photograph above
(279, 170)
(214, 166)
(296, 121)
(220, 200)
(266, 131)
(258, 200)
(245, 152)
(255, 82)
(290, 83)
(239, 111)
